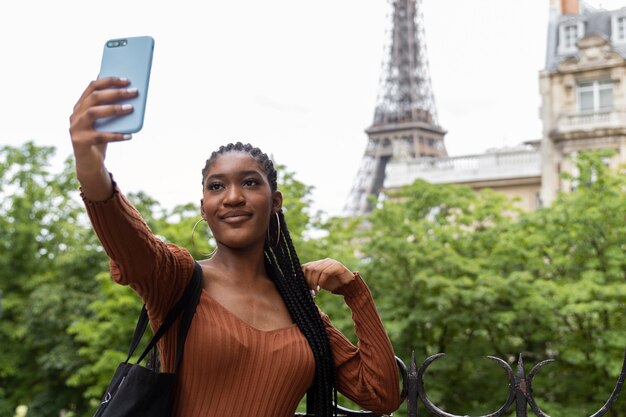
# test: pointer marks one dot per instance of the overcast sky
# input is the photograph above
(297, 78)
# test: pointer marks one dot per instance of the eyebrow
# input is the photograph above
(241, 173)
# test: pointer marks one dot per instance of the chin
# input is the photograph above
(240, 242)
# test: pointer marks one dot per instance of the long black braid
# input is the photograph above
(283, 267)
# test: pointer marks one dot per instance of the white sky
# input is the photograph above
(298, 79)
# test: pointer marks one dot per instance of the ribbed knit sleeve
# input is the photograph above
(157, 271)
(367, 374)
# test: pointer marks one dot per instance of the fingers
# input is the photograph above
(100, 84)
(81, 124)
(312, 273)
(110, 95)
(98, 100)
(83, 144)
(327, 274)
(98, 112)
(102, 97)
(101, 137)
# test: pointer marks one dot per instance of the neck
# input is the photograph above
(240, 265)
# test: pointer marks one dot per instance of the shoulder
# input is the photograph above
(208, 269)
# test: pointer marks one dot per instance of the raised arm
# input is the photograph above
(97, 101)
(158, 272)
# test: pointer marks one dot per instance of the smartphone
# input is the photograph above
(128, 58)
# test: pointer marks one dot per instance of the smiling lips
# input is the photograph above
(236, 216)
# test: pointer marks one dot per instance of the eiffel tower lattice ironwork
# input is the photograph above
(405, 122)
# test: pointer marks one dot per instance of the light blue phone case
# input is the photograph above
(129, 58)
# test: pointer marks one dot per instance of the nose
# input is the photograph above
(234, 196)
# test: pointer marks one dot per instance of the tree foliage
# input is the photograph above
(451, 270)
(46, 258)
(466, 274)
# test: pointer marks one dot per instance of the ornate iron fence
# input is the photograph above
(520, 391)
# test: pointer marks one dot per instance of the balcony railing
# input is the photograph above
(483, 167)
(584, 121)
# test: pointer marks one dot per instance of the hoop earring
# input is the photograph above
(278, 234)
(193, 242)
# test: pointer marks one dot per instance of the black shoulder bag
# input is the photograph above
(142, 392)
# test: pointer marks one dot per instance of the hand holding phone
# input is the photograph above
(129, 58)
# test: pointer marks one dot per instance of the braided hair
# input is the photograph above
(283, 267)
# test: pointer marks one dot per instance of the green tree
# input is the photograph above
(467, 274)
(451, 270)
(45, 256)
(574, 256)
(427, 258)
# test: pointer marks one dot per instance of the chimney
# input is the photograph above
(570, 7)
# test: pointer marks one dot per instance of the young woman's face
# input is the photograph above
(237, 201)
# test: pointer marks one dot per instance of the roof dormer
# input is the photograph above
(618, 27)
(569, 33)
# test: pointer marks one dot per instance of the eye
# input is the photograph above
(251, 182)
(214, 186)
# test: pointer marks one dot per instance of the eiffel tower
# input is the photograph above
(405, 122)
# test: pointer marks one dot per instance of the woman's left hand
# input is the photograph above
(327, 274)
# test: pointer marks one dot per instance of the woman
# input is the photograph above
(257, 343)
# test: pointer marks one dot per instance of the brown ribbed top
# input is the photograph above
(229, 368)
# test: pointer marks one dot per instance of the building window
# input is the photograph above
(618, 29)
(569, 33)
(595, 96)
(538, 201)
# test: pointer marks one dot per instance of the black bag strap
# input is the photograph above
(188, 313)
(186, 304)
(140, 329)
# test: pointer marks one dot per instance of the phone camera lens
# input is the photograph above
(124, 43)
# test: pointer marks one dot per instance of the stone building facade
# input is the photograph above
(583, 107)
(583, 90)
